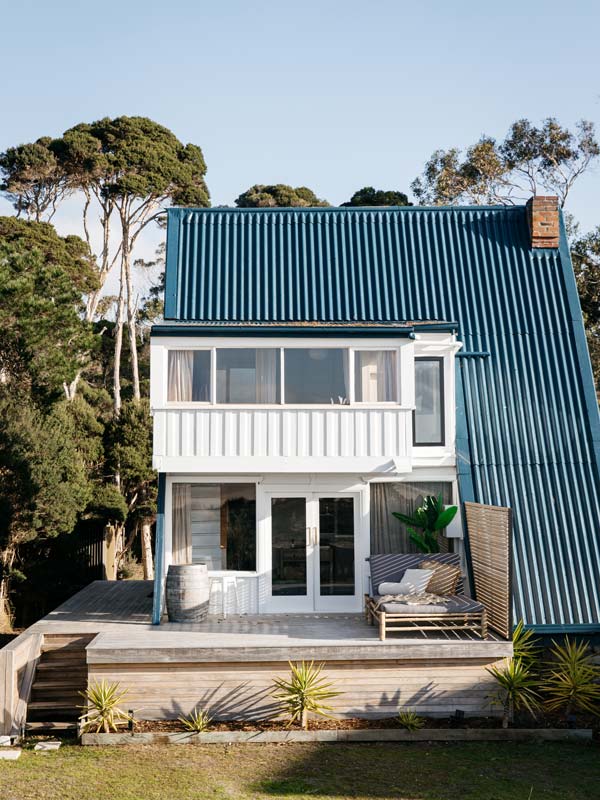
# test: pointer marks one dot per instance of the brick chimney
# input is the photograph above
(542, 215)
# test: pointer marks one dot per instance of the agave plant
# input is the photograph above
(102, 713)
(427, 520)
(572, 683)
(525, 645)
(198, 721)
(304, 693)
(410, 720)
(517, 689)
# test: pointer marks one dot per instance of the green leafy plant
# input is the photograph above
(427, 520)
(102, 712)
(572, 683)
(304, 693)
(410, 720)
(198, 720)
(525, 645)
(517, 689)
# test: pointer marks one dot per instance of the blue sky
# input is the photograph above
(334, 95)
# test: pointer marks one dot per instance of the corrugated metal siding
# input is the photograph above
(529, 408)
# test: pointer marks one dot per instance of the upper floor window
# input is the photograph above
(284, 375)
(375, 376)
(189, 376)
(248, 375)
(314, 376)
(429, 402)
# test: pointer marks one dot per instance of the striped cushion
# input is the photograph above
(392, 566)
(444, 579)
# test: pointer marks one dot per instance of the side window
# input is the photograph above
(375, 376)
(428, 419)
(189, 376)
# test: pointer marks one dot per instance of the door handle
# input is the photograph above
(315, 537)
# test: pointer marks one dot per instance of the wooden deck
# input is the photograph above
(228, 664)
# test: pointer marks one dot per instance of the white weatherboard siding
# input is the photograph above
(286, 439)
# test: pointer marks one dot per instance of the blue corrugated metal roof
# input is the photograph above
(531, 435)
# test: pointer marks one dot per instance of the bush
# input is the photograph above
(517, 689)
(102, 712)
(198, 721)
(410, 720)
(573, 682)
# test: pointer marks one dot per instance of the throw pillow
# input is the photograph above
(444, 579)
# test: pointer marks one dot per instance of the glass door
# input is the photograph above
(336, 583)
(292, 553)
(313, 553)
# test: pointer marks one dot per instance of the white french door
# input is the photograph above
(312, 552)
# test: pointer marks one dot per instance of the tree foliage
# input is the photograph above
(368, 196)
(33, 179)
(279, 195)
(43, 340)
(530, 159)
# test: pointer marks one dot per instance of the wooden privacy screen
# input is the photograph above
(490, 542)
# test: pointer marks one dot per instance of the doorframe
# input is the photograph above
(337, 604)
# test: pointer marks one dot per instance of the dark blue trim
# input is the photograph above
(474, 354)
(159, 551)
(172, 263)
(570, 628)
(583, 355)
(300, 330)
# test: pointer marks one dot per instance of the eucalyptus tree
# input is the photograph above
(368, 196)
(33, 179)
(133, 167)
(529, 160)
(279, 195)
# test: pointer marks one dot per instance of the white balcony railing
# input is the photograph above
(340, 439)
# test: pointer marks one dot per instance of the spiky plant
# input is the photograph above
(102, 712)
(517, 689)
(410, 720)
(572, 683)
(525, 645)
(426, 522)
(304, 693)
(198, 720)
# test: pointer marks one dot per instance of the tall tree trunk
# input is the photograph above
(147, 550)
(131, 311)
(118, 345)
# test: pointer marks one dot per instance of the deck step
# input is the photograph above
(36, 727)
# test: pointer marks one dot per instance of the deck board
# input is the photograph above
(120, 612)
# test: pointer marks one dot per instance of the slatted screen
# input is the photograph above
(490, 542)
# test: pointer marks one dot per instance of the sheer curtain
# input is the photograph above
(388, 534)
(266, 375)
(181, 375)
(386, 376)
(182, 523)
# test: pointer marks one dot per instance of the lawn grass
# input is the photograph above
(468, 771)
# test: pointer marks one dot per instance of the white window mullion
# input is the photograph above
(351, 376)
(282, 376)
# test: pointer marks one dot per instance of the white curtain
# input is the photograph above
(266, 375)
(182, 523)
(181, 375)
(386, 376)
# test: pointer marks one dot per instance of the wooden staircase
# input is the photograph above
(60, 676)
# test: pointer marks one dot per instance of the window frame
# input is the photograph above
(349, 349)
(442, 372)
(352, 367)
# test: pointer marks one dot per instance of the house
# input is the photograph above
(318, 369)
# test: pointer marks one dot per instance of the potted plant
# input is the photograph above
(430, 518)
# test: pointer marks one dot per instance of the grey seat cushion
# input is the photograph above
(457, 604)
(412, 610)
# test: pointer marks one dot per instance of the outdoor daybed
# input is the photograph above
(449, 612)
